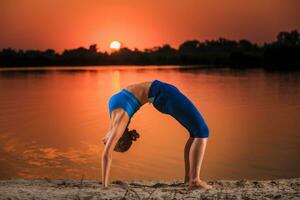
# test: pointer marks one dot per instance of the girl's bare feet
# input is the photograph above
(198, 184)
(186, 180)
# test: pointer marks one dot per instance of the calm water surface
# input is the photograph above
(52, 122)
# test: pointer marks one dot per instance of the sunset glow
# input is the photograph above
(32, 24)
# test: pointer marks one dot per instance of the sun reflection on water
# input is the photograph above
(116, 81)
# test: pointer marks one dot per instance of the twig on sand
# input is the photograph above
(124, 197)
(81, 180)
(175, 192)
(132, 190)
(150, 194)
(125, 186)
(77, 197)
(47, 179)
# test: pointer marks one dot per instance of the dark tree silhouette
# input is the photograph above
(284, 53)
(289, 39)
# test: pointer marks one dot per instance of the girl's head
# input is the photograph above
(126, 139)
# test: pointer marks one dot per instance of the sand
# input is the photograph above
(87, 189)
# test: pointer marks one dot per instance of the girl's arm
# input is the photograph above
(115, 134)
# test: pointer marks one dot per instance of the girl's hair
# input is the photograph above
(126, 139)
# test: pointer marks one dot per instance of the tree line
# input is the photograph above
(283, 53)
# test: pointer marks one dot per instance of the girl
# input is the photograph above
(167, 99)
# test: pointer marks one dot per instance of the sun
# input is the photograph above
(115, 45)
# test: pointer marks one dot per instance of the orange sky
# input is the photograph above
(60, 24)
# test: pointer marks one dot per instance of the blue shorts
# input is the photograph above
(169, 100)
(126, 100)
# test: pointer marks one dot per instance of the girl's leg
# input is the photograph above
(196, 157)
(187, 160)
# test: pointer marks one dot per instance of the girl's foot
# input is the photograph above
(198, 184)
(186, 180)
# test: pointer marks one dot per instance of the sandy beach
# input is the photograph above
(88, 189)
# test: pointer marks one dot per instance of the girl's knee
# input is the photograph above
(202, 132)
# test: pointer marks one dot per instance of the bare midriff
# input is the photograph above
(140, 91)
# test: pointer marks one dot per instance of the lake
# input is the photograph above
(52, 121)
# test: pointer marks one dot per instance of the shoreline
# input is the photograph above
(137, 189)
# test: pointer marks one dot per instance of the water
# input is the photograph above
(52, 122)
